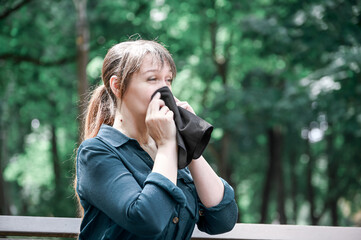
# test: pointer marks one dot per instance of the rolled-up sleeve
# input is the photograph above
(104, 181)
(175, 192)
(222, 217)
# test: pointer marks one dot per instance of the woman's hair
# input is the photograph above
(122, 60)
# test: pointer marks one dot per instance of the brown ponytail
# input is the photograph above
(101, 110)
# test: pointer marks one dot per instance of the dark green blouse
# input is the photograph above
(123, 199)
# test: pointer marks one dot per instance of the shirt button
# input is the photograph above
(201, 213)
(175, 220)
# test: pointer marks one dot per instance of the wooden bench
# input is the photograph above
(47, 227)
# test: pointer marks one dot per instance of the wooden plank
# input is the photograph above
(39, 226)
(69, 227)
(282, 232)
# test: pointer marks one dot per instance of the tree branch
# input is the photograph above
(13, 9)
(36, 61)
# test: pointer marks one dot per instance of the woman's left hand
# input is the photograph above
(210, 187)
(184, 105)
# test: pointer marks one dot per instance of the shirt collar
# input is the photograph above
(112, 135)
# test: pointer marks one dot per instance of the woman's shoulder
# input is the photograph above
(95, 143)
(93, 150)
(91, 142)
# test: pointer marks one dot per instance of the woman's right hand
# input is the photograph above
(161, 128)
(160, 122)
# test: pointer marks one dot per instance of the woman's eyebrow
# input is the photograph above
(151, 70)
(154, 70)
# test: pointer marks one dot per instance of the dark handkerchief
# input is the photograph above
(193, 133)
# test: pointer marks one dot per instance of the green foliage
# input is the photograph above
(246, 67)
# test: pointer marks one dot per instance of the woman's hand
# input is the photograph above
(161, 128)
(160, 122)
(184, 105)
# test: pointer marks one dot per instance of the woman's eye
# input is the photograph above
(170, 81)
(152, 79)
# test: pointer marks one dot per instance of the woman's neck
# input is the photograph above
(132, 126)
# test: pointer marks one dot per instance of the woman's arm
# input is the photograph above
(209, 186)
(219, 211)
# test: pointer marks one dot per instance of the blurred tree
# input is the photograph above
(279, 80)
(313, 35)
(82, 44)
(31, 98)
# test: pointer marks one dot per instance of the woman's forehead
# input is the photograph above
(154, 63)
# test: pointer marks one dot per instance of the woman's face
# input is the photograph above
(144, 83)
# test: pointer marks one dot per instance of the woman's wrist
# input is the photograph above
(167, 144)
(165, 161)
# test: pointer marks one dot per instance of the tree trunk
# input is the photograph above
(310, 189)
(223, 158)
(4, 203)
(224, 168)
(82, 43)
(334, 212)
(267, 190)
(276, 154)
(274, 174)
(293, 164)
(223, 162)
(4, 206)
(332, 193)
(56, 160)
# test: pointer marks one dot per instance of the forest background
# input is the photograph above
(278, 79)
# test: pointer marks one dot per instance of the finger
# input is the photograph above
(182, 104)
(186, 106)
(170, 114)
(156, 96)
(155, 104)
(164, 110)
(161, 104)
(176, 99)
(179, 101)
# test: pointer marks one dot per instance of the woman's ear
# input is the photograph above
(115, 86)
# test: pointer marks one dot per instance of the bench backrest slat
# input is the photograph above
(282, 232)
(39, 226)
(69, 227)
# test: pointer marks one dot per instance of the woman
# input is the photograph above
(128, 181)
